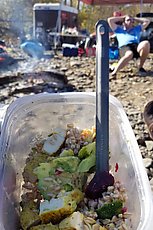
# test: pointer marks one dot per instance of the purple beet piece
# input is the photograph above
(99, 184)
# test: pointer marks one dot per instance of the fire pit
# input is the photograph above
(33, 83)
(46, 81)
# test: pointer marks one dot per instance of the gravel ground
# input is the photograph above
(27, 76)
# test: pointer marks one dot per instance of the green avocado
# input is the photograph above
(87, 150)
(87, 163)
(51, 186)
(68, 164)
(65, 163)
(66, 153)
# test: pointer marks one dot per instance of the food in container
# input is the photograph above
(30, 119)
(56, 175)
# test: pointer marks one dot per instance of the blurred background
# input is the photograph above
(16, 16)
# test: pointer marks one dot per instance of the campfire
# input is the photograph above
(33, 83)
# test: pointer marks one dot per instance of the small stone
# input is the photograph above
(149, 145)
(147, 162)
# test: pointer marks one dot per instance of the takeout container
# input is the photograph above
(31, 118)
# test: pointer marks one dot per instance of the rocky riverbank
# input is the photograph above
(29, 76)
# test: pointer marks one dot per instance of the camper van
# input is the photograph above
(48, 20)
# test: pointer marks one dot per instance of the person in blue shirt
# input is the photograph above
(128, 37)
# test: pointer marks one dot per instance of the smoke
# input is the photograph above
(16, 14)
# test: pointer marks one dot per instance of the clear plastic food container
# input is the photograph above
(32, 117)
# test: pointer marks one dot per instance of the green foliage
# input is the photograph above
(89, 15)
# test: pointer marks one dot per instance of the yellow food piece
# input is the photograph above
(73, 222)
(28, 217)
(98, 227)
(88, 134)
(57, 209)
(76, 195)
(49, 226)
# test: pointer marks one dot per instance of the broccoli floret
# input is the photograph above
(108, 210)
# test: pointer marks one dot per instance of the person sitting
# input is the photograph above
(90, 41)
(32, 47)
(128, 36)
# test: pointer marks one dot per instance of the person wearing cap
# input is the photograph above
(128, 37)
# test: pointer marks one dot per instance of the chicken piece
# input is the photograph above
(54, 141)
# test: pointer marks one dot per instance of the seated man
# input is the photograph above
(128, 37)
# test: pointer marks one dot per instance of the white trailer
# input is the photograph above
(48, 19)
